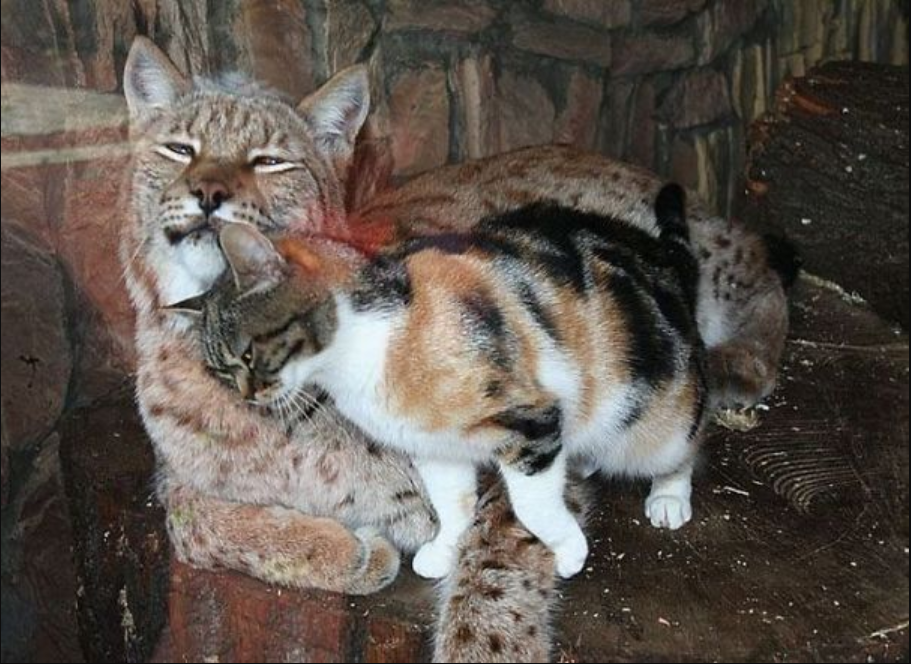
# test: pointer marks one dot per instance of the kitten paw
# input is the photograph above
(668, 511)
(434, 560)
(571, 555)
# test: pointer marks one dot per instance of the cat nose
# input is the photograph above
(210, 194)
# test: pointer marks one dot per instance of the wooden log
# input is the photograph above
(829, 167)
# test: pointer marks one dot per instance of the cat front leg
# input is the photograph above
(452, 487)
(668, 503)
(533, 465)
(538, 501)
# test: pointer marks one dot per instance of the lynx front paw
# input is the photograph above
(412, 529)
(434, 560)
(571, 555)
(666, 511)
(379, 563)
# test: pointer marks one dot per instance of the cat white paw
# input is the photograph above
(668, 511)
(571, 555)
(434, 560)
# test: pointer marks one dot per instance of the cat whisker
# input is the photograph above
(124, 275)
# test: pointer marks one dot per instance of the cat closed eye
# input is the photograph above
(181, 152)
(270, 164)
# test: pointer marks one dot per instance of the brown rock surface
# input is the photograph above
(5, 476)
(419, 120)
(461, 16)
(577, 122)
(563, 41)
(724, 22)
(525, 112)
(667, 12)
(651, 52)
(699, 98)
(36, 354)
(350, 27)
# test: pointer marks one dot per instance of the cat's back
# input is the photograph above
(587, 307)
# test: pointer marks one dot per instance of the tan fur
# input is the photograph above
(432, 331)
(242, 490)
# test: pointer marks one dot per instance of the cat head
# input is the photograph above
(208, 152)
(264, 323)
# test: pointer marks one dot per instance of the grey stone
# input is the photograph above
(526, 112)
(460, 16)
(564, 41)
(698, 98)
(667, 12)
(610, 14)
(651, 52)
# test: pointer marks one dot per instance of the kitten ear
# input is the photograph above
(336, 112)
(150, 79)
(192, 306)
(254, 260)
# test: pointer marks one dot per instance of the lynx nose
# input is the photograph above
(211, 194)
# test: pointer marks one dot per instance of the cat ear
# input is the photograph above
(192, 306)
(150, 79)
(336, 112)
(296, 253)
(254, 260)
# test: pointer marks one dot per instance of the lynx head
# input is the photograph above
(212, 151)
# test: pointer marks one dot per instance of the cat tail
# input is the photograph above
(498, 604)
(671, 219)
(670, 213)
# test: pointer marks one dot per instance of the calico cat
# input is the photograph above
(544, 336)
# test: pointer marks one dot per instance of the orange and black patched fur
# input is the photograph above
(542, 338)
